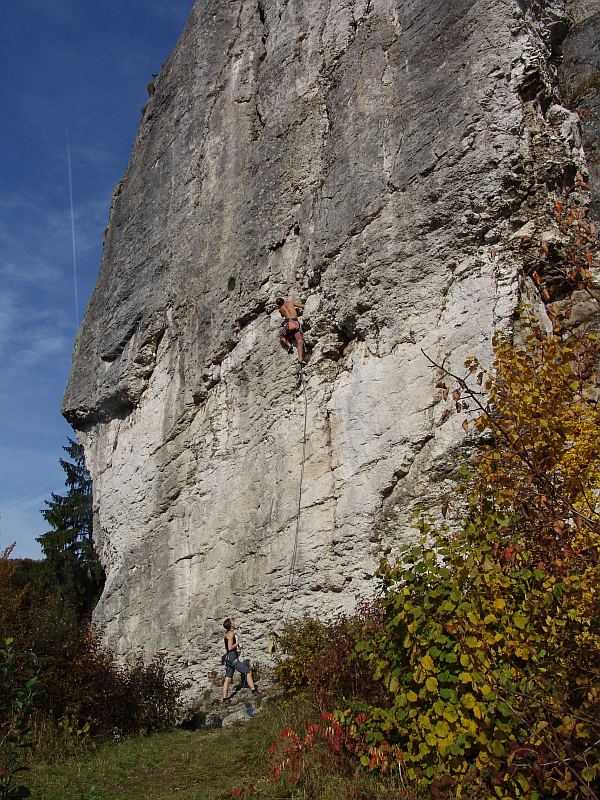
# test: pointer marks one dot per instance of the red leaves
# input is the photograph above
(296, 747)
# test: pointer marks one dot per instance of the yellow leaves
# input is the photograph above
(450, 714)
(496, 748)
(431, 684)
(427, 663)
(519, 620)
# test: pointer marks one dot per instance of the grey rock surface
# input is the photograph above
(384, 161)
(580, 82)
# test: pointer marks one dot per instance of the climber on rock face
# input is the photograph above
(232, 661)
(290, 331)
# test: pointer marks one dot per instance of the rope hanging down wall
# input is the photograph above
(292, 572)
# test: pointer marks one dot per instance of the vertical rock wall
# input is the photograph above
(383, 160)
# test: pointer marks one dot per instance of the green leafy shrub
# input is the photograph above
(478, 659)
(17, 694)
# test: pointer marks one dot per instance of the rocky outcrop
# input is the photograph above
(384, 161)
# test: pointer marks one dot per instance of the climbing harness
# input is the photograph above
(292, 572)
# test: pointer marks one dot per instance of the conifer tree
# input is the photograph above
(72, 571)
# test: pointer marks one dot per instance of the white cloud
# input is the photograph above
(28, 503)
(33, 270)
(40, 345)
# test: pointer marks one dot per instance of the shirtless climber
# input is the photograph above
(290, 331)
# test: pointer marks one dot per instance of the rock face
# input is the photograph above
(387, 161)
(580, 82)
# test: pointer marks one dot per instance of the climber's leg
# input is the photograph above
(285, 343)
(299, 344)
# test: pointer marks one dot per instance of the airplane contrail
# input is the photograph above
(73, 234)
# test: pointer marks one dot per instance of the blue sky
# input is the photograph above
(70, 70)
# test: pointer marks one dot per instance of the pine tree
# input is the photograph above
(73, 573)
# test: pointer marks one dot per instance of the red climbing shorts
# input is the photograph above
(290, 328)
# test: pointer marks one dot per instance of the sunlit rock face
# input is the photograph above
(382, 160)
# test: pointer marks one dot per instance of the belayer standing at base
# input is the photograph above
(232, 661)
(290, 330)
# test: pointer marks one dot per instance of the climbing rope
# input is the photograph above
(292, 572)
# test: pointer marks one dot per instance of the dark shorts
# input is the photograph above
(239, 666)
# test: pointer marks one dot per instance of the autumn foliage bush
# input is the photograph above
(322, 659)
(81, 688)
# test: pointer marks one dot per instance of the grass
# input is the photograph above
(183, 764)
(200, 765)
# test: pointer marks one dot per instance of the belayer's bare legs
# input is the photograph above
(227, 684)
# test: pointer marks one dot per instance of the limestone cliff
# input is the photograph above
(383, 160)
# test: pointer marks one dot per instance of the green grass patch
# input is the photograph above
(183, 764)
(201, 765)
